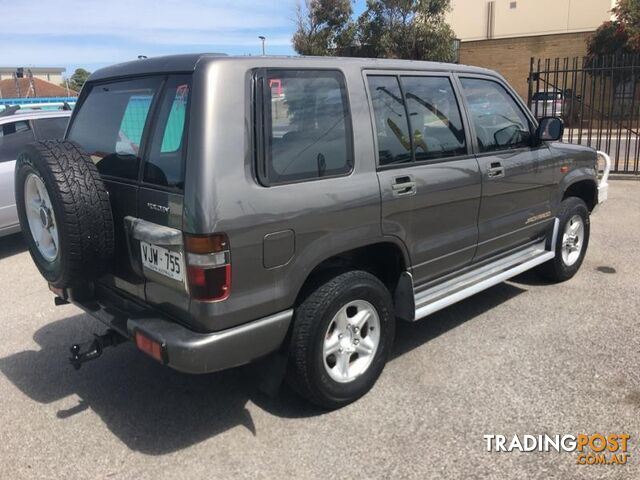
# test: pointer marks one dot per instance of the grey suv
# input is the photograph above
(216, 210)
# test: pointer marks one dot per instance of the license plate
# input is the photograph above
(162, 261)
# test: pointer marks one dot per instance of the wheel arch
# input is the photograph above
(386, 259)
(583, 188)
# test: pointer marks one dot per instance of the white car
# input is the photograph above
(16, 130)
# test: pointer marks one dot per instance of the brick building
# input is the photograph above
(504, 35)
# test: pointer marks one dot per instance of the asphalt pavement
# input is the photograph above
(524, 357)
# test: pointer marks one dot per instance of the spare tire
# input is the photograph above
(64, 212)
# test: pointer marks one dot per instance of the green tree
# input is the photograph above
(323, 26)
(621, 36)
(78, 78)
(407, 29)
(628, 14)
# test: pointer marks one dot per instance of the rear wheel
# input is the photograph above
(571, 243)
(342, 335)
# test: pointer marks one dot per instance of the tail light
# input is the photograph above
(208, 266)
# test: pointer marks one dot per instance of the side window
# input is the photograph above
(165, 163)
(13, 137)
(50, 128)
(15, 127)
(436, 123)
(110, 122)
(392, 128)
(308, 131)
(499, 122)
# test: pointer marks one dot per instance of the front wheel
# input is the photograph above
(571, 243)
(342, 335)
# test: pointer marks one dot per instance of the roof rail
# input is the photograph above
(9, 110)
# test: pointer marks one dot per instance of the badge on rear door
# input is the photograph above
(158, 208)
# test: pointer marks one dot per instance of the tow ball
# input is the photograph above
(85, 352)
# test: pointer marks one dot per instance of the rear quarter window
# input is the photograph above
(13, 138)
(50, 128)
(307, 127)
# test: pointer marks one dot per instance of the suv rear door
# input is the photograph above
(161, 200)
(116, 123)
(429, 180)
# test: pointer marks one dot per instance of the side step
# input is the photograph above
(459, 288)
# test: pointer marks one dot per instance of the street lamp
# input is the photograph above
(263, 38)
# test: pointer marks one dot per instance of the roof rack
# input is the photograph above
(9, 110)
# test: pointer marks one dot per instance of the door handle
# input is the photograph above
(403, 186)
(496, 170)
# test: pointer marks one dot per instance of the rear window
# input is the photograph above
(113, 127)
(110, 123)
(13, 138)
(50, 128)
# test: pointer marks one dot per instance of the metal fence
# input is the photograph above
(599, 100)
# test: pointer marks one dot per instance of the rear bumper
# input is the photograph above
(186, 350)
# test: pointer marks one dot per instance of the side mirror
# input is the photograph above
(550, 129)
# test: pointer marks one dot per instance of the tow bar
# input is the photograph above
(85, 352)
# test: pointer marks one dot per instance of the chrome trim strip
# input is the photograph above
(519, 230)
(457, 289)
(149, 232)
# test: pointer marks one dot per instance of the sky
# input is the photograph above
(92, 34)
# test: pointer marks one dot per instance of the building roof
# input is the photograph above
(8, 89)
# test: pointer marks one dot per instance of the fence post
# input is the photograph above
(530, 83)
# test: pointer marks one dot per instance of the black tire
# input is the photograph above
(557, 270)
(307, 373)
(81, 209)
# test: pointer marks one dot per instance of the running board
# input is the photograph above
(475, 281)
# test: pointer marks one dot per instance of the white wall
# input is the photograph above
(469, 18)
